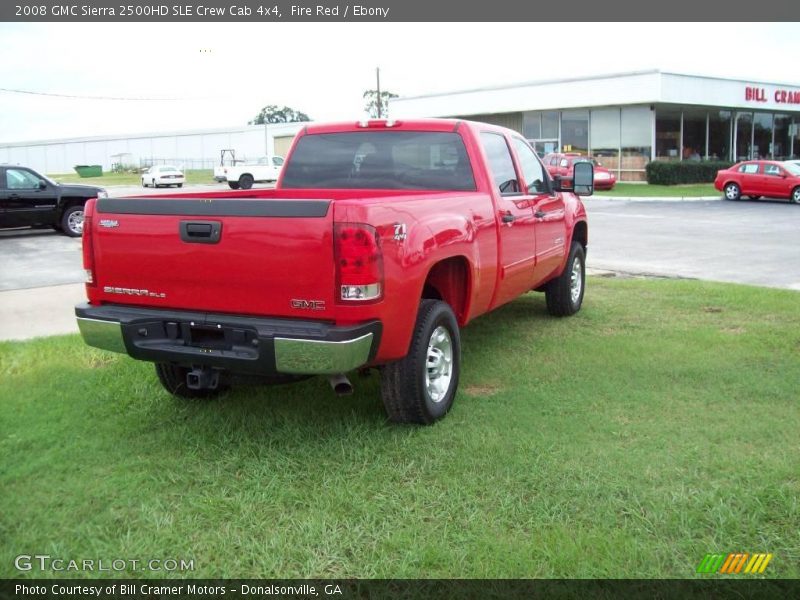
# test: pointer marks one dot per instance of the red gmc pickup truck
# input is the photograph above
(379, 242)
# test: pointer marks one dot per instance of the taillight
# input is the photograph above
(88, 243)
(359, 262)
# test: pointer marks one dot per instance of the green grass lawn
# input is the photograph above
(638, 190)
(192, 176)
(657, 425)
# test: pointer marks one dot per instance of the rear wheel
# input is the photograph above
(234, 185)
(72, 221)
(246, 182)
(173, 378)
(732, 191)
(564, 294)
(421, 387)
(795, 197)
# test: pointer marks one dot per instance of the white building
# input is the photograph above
(195, 149)
(629, 119)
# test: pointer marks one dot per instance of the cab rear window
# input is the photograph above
(394, 160)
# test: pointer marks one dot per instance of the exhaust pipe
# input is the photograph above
(341, 384)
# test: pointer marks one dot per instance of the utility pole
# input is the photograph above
(378, 75)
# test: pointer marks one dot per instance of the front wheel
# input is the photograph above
(154, 184)
(733, 191)
(421, 387)
(564, 294)
(72, 221)
(234, 185)
(795, 197)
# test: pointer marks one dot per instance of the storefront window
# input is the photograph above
(719, 135)
(782, 146)
(762, 135)
(635, 131)
(668, 133)
(795, 135)
(605, 137)
(694, 134)
(744, 136)
(550, 125)
(575, 131)
(532, 125)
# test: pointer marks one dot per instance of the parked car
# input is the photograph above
(562, 164)
(757, 178)
(165, 175)
(244, 175)
(30, 199)
(380, 241)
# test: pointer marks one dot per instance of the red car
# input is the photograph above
(562, 164)
(757, 178)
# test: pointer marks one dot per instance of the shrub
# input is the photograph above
(690, 171)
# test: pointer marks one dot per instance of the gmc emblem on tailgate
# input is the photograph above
(307, 304)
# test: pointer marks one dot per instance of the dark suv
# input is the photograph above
(28, 198)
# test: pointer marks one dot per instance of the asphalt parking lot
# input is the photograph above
(41, 276)
(739, 242)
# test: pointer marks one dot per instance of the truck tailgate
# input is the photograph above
(241, 256)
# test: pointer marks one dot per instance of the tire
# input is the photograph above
(754, 197)
(234, 185)
(154, 184)
(144, 185)
(732, 191)
(180, 185)
(72, 221)
(795, 197)
(173, 378)
(411, 390)
(246, 181)
(564, 294)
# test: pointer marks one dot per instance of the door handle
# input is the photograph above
(509, 218)
(539, 214)
(200, 232)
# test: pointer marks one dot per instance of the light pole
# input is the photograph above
(378, 76)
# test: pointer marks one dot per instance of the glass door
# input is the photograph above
(543, 147)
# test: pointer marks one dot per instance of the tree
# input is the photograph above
(371, 96)
(273, 114)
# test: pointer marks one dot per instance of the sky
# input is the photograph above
(205, 75)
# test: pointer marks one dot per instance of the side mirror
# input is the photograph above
(42, 185)
(583, 179)
(562, 184)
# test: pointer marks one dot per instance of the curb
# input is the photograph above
(656, 198)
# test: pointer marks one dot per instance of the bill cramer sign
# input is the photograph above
(759, 94)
